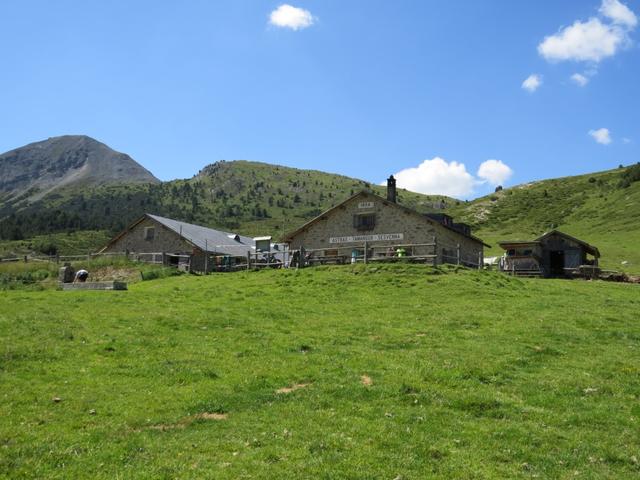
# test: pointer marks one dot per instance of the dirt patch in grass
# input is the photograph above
(111, 273)
(212, 416)
(292, 388)
(186, 421)
(366, 380)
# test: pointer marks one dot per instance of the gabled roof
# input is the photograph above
(505, 243)
(205, 239)
(290, 236)
(589, 248)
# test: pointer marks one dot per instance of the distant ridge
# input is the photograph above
(39, 168)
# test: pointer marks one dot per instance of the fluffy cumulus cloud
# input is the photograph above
(532, 83)
(592, 40)
(601, 135)
(579, 79)
(618, 13)
(287, 16)
(494, 172)
(437, 176)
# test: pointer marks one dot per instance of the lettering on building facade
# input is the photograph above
(380, 237)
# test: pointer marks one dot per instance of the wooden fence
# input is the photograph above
(427, 253)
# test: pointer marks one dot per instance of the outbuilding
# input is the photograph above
(193, 247)
(553, 254)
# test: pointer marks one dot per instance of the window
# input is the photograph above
(364, 221)
(149, 233)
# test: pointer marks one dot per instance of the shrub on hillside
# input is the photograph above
(630, 175)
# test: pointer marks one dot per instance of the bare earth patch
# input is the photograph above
(212, 416)
(366, 380)
(185, 422)
(292, 388)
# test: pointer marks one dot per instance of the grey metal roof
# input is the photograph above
(208, 239)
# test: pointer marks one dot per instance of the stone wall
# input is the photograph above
(389, 219)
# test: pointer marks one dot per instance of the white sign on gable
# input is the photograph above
(366, 205)
(380, 237)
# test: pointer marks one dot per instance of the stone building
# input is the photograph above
(553, 254)
(368, 223)
(179, 243)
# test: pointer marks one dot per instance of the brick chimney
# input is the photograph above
(391, 189)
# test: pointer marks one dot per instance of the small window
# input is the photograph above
(527, 253)
(149, 233)
(364, 222)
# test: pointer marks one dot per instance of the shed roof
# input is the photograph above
(589, 248)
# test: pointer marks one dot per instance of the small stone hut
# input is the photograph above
(553, 254)
(367, 225)
(195, 247)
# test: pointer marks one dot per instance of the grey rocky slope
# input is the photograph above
(41, 167)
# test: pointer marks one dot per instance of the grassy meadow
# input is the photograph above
(358, 372)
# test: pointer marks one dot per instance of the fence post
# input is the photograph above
(248, 260)
(480, 260)
(365, 253)
(302, 261)
(206, 257)
(458, 254)
(435, 251)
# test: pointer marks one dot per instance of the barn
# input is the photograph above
(193, 247)
(368, 227)
(553, 254)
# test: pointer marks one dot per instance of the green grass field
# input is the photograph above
(396, 372)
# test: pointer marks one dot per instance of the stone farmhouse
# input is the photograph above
(193, 247)
(553, 254)
(369, 226)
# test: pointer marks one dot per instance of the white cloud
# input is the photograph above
(287, 16)
(618, 13)
(601, 135)
(588, 41)
(579, 79)
(626, 140)
(592, 40)
(495, 172)
(437, 177)
(532, 82)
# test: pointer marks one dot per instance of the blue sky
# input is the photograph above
(430, 89)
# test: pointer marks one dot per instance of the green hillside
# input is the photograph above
(601, 208)
(318, 374)
(248, 197)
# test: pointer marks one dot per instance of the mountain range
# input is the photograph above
(75, 183)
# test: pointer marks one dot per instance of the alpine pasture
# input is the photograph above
(396, 372)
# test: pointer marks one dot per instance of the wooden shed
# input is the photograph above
(553, 254)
